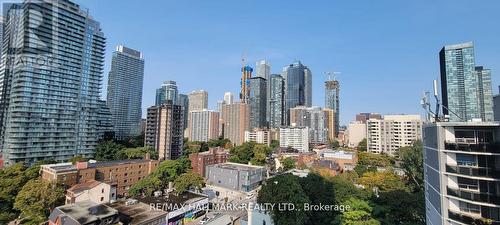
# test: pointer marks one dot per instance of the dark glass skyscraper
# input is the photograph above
(276, 100)
(257, 101)
(462, 88)
(50, 100)
(298, 87)
(125, 91)
(184, 102)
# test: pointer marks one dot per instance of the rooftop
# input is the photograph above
(82, 212)
(237, 166)
(65, 167)
(137, 213)
(83, 186)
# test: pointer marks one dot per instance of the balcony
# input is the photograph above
(473, 171)
(474, 196)
(467, 219)
(470, 145)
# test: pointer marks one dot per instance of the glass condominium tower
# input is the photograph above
(168, 91)
(276, 101)
(298, 87)
(463, 88)
(125, 91)
(50, 81)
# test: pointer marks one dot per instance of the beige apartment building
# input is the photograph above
(392, 132)
(235, 122)
(203, 125)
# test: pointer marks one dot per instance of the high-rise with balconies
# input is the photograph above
(125, 91)
(462, 172)
(50, 81)
(465, 89)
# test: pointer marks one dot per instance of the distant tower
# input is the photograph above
(246, 73)
(332, 89)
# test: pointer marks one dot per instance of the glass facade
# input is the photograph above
(168, 91)
(184, 102)
(125, 91)
(298, 87)
(258, 102)
(485, 93)
(332, 89)
(460, 83)
(50, 82)
(276, 101)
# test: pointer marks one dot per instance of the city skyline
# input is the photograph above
(335, 39)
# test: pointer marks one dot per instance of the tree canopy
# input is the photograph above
(188, 181)
(412, 161)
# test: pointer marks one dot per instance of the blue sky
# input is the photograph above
(386, 50)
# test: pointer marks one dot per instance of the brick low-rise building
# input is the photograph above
(199, 161)
(123, 173)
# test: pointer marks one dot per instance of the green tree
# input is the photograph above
(285, 188)
(359, 213)
(345, 189)
(243, 153)
(260, 153)
(288, 163)
(188, 181)
(362, 145)
(400, 207)
(319, 191)
(137, 153)
(384, 181)
(37, 198)
(334, 144)
(166, 172)
(412, 164)
(221, 142)
(107, 151)
(274, 144)
(145, 186)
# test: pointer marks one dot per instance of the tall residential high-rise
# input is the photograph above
(246, 74)
(332, 124)
(167, 91)
(164, 130)
(276, 101)
(125, 91)
(496, 107)
(263, 69)
(461, 172)
(315, 119)
(184, 102)
(49, 106)
(485, 93)
(235, 121)
(198, 100)
(204, 125)
(228, 98)
(1, 37)
(298, 87)
(105, 129)
(462, 87)
(332, 89)
(392, 132)
(257, 101)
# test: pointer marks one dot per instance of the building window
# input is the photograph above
(102, 199)
(102, 191)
